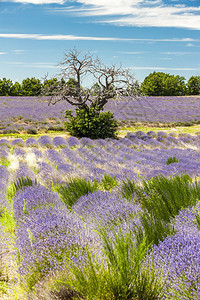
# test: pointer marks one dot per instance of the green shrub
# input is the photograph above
(19, 184)
(91, 123)
(153, 228)
(122, 274)
(107, 182)
(172, 160)
(165, 197)
(31, 130)
(128, 188)
(75, 188)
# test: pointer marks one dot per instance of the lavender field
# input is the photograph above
(31, 113)
(44, 237)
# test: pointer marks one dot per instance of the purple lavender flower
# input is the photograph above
(103, 206)
(179, 255)
(46, 237)
(23, 171)
(4, 178)
(3, 153)
(18, 142)
(152, 134)
(73, 157)
(87, 142)
(60, 142)
(33, 197)
(55, 157)
(31, 142)
(66, 169)
(48, 175)
(45, 141)
(73, 141)
(5, 142)
(19, 152)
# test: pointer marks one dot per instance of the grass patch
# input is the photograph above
(168, 128)
(120, 275)
(25, 136)
(171, 160)
(74, 189)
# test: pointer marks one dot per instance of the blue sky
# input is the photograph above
(145, 36)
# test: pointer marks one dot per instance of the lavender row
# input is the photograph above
(178, 256)
(46, 230)
(32, 113)
(137, 155)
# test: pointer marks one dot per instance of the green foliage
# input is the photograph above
(193, 85)
(72, 85)
(155, 84)
(3, 287)
(165, 197)
(172, 160)
(121, 275)
(197, 215)
(19, 184)
(74, 189)
(162, 84)
(10, 192)
(107, 182)
(5, 87)
(16, 89)
(153, 228)
(31, 87)
(128, 188)
(7, 219)
(5, 162)
(48, 83)
(92, 123)
(161, 199)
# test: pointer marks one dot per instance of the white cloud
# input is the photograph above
(17, 51)
(143, 13)
(2, 53)
(178, 53)
(58, 37)
(164, 69)
(32, 65)
(61, 37)
(36, 1)
(133, 52)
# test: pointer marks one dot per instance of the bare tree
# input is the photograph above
(112, 82)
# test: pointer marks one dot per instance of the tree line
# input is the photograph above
(155, 84)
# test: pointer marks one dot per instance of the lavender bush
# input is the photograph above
(51, 241)
(23, 113)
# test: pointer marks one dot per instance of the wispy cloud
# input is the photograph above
(36, 1)
(164, 69)
(178, 53)
(17, 51)
(143, 13)
(2, 53)
(133, 52)
(60, 37)
(32, 65)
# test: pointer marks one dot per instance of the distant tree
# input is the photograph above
(31, 87)
(95, 89)
(193, 85)
(72, 86)
(113, 82)
(47, 84)
(16, 89)
(5, 87)
(162, 84)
